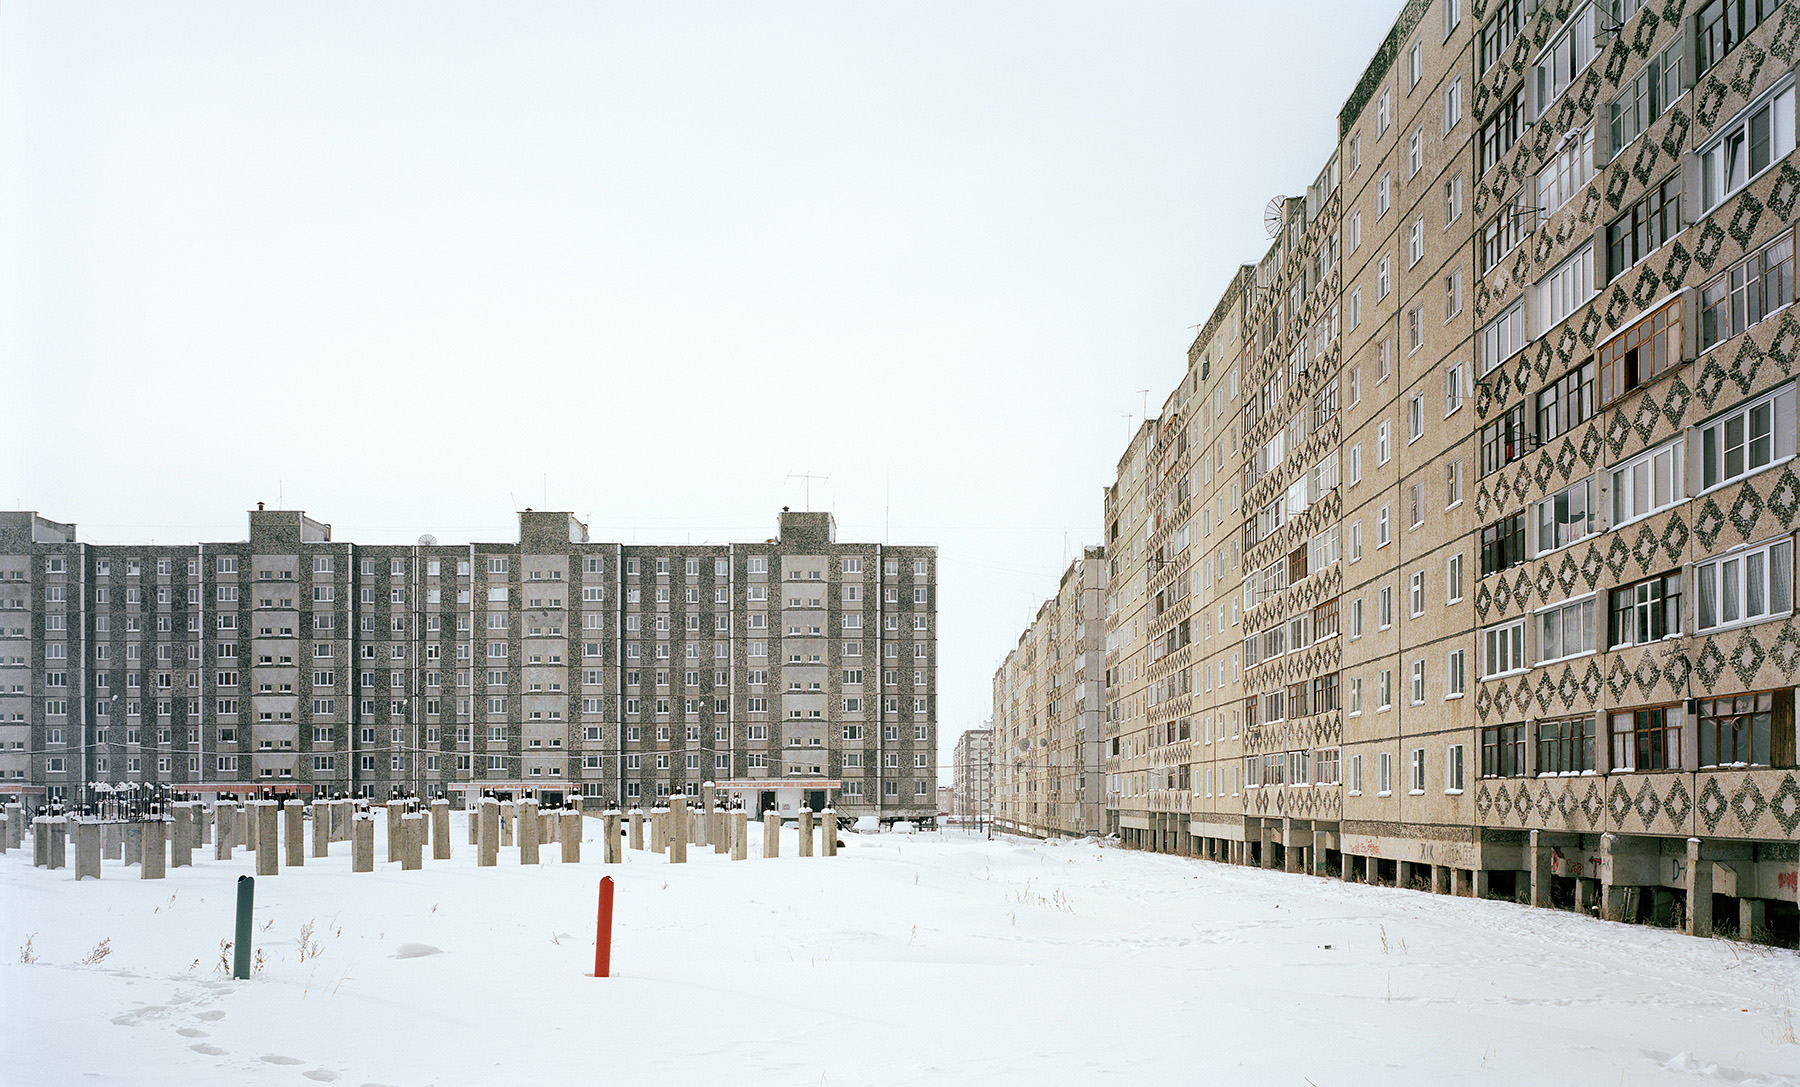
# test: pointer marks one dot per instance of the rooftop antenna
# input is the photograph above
(808, 483)
(1146, 393)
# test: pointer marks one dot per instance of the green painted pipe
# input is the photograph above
(240, 955)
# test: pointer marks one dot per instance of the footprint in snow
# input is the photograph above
(209, 1050)
(276, 1058)
(323, 1075)
(192, 1032)
(416, 951)
(210, 1016)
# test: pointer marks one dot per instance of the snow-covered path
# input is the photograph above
(904, 960)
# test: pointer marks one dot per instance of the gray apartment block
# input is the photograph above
(798, 671)
(972, 770)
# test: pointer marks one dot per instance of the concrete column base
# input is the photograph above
(155, 858)
(1753, 918)
(1268, 845)
(87, 850)
(740, 835)
(507, 815)
(395, 812)
(362, 844)
(1699, 892)
(268, 847)
(570, 835)
(613, 851)
(678, 830)
(637, 829)
(528, 832)
(1538, 853)
(440, 830)
(806, 832)
(294, 820)
(771, 835)
(181, 836)
(412, 842)
(487, 846)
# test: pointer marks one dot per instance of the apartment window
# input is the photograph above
(1501, 236)
(1415, 329)
(1383, 277)
(1569, 170)
(1454, 674)
(1415, 416)
(1453, 103)
(1759, 137)
(1648, 482)
(1498, 33)
(1503, 337)
(1564, 517)
(1453, 295)
(1382, 532)
(1564, 747)
(1452, 484)
(1747, 292)
(1453, 200)
(1384, 607)
(1416, 763)
(1565, 289)
(1503, 649)
(1381, 196)
(1384, 774)
(1566, 630)
(1416, 682)
(1645, 226)
(1746, 586)
(1503, 751)
(1644, 612)
(1382, 113)
(1415, 242)
(1747, 729)
(1747, 439)
(1356, 464)
(1723, 24)
(1356, 618)
(1354, 308)
(1416, 596)
(1382, 443)
(1644, 99)
(1647, 739)
(1353, 696)
(1498, 134)
(1569, 53)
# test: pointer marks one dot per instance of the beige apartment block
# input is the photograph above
(1516, 440)
(1050, 697)
(972, 774)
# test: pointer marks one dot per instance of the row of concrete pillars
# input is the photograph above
(675, 827)
(1693, 908)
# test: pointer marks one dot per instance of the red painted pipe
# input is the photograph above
(603, 931)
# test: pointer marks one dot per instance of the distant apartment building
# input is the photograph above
(794, 672)
(1482, 579)
(972, 774)
(1048, 713)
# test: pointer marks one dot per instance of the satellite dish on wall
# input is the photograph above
(1272, 215)
(428, 540)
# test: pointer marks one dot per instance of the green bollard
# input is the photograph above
(240, 952)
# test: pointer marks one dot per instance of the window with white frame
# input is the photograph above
(1503, 649)
(1416, 762)
(1643, 99)
(1566, 630)
(1747, 292)
(1648, 482)
(1415, 417)
(1384, 689)
(1453, 579)
(1565, 289)
(1416, 594)
(1564, 517)
(1383, 276)
(1746, 586)
(1416, 682)
(1453, 293)
(1383, 446)
(1382, 531)
(1384, 774)
(1570, 53)
(1453, 768)
(1503, 337)
(1452, 484)
(1454, 674)
(1747, 439)
(1452, 104)
(1569, 170)
(1759, 137)
(1453, 200)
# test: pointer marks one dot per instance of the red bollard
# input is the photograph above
(603, 931)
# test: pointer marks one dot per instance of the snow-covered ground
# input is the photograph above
(934, 958)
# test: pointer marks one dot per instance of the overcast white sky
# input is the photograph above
(410, 266)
